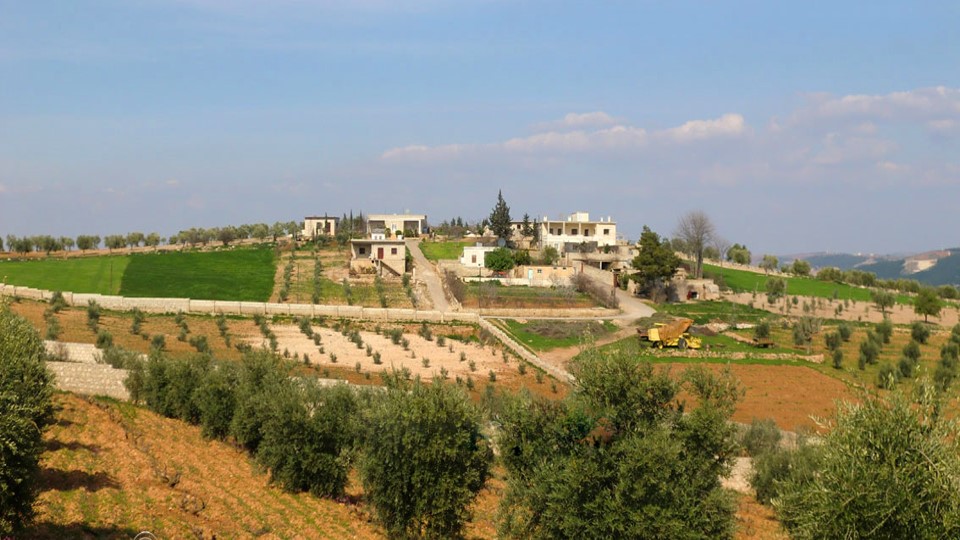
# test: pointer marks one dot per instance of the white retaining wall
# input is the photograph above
(173, 305)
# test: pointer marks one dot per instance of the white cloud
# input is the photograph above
(578, 120)
(614, 138)
(944, 127)
(912, 105)
(727, 125)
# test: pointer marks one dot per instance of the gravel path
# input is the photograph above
(428, 275)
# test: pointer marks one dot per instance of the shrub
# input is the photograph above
(906, 367)
(158, 342)
(845, 331)
(136, 324)
(919, 332)
(53, 328)
(838, 359)
(912, 351)
(888, 376)
(492, 376)
(762, 436)
(832, 340)
(762, 330)
(423, 486)
(869, 352)
(93, 315)
(425, 332)
(104, 339)
(772, 469)
(200, 344)
(260, 377)
(216, 399)
(376, 358)
(57, 302)
(885, 330)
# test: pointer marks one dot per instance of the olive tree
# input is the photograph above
(888, 469)
(622, 457)
(423, 458)
(25, 410)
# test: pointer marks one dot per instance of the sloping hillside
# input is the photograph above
(937, 268)
(111, 470)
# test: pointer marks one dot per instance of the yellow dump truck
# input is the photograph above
(671, 334)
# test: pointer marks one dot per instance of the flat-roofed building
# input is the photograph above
(415, 224)
(314, 226)
(577, 229)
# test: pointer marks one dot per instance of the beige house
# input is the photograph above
(377, 254)
(577, 228)
(397, 223)
(475, 256)
(314, 226)
(543, 276)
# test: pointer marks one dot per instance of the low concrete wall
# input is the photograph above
(586, 313)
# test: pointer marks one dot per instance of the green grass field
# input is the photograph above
(745, 281)
(704, 312)
(546, 335)
(100, 275)
(239, 274)
(435, 251)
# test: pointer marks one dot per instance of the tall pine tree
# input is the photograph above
(500, 218)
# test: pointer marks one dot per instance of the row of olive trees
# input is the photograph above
(193, 236)
(417, 447)
(25, 410)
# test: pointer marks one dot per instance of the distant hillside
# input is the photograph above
(940, 269)
(931, 267)
(843, 261)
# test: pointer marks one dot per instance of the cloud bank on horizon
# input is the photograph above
(793, 128)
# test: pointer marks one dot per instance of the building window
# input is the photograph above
(606, 232)
(393, 251)
(363, 251)
(473, 258)
(573, 232)
(551, 231)
(586, 232)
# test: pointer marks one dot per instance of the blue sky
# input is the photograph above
(802, 127)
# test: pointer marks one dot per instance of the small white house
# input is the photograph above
(474, 256)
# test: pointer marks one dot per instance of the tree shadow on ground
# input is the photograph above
(53, 445)
(59, 480)
(56, 531)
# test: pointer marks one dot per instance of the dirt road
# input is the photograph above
(428, 275)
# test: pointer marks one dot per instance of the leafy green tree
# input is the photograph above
(152, 240)
(307, 437)
(114, 241)
(883, 300)
(424, 459)
(739, 254)
(549, 256)
(66, 242)
(526, 227)
(889, 469)
(919, 332)
(227, 234)
(654, 263)
(500, 218)
(25, 411)
(927, 303)
(499, 260)
(622, 457)
(800, 267)
(769, 263)
(134, 239)
(776, 289)
(885, 330)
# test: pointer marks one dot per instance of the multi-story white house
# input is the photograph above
(577, 229)
(397, 223)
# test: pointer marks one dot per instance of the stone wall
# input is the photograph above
(89, 379)
(173, 305)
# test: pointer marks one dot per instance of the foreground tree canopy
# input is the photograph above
(622, 457)
(25, 410)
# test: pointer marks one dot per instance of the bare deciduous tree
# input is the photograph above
(697, 231)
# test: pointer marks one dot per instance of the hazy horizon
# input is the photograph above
(796, 128)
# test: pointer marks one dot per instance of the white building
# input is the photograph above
(577, 228)
(397, 223)
(474, 256)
